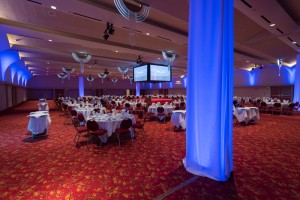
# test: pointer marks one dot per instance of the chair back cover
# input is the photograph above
(92, 125)
(126, 124)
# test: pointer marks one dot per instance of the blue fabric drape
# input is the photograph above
(297, 81)
(210, 89)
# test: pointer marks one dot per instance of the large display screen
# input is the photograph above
(140, 73)
(160, 73)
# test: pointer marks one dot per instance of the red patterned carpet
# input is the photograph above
(266, 162)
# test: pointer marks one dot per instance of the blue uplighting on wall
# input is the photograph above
(160, 85)
(81, 86)
(151, 85)
(7, 58)
(171, 84)
(252, 75)
(289, 75)
(184, 81)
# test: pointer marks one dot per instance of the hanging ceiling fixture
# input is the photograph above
(134, 11)
(114, 80)
(279, 63)
(90, 79)
(102, 76)
(130, 77)
(68, 71)
(139, 60)
(123, 70)
(62, 76)
(169, 57)
(82, 58)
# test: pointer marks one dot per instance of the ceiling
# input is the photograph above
(45, 38)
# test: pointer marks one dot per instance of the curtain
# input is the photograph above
(210, 89)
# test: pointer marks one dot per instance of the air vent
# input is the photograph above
(266, 19)
(99, 20)
(163, 38)
(34, 2)
(246, 3)
(290, 39)
(279, 30)
(26, 36)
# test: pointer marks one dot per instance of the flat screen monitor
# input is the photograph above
(140, 73)
(160, 73)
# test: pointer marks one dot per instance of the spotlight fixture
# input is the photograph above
(139, 60)
(110, 28)
(106, 35)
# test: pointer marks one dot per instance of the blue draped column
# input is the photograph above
(81, 86)
(297, 81)
(137, 89)
(210, 89)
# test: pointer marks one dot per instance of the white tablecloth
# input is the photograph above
(39, 122)
(271, 104)
(111, 125)
(168, 109)
(178, 118)
(246, 114)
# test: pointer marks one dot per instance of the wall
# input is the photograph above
(11, 95)
(252, 92)
(53, 82)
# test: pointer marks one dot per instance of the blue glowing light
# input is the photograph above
(160, 85)
(184, 80)
(210, 75)
(81, 86)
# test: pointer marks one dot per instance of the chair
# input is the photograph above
(81, 118)
(182, 106)
(277, 108)
(263, 107)
(94, 130)
(140, 123)
(161, 114)
(296, 106)
(124, 129)
(289, 110)
(149, 115)
(68, 114)
(128, 107)
(79, 129)
(138, 108)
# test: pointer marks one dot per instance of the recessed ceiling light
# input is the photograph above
(147, 33)
(247, 60)
(272, 24)
(50, 40)
(158, 58)
(53, 7)
(294, 42)
(116, 51)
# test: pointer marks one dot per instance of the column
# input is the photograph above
(137, 89)
(297, 81)
(81, 86)
(210, 89)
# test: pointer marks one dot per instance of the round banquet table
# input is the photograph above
(39, 122)
(111, 124)
(168, 109)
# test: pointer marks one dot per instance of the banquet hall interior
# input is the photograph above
(95, 95)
